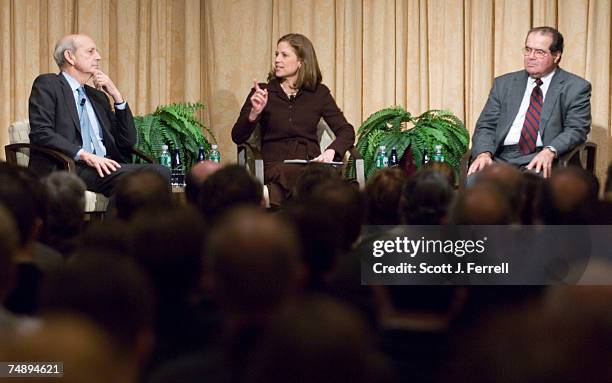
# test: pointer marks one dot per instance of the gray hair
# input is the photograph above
(66, 43)
(66, 196)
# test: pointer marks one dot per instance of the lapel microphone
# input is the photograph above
(82, 102)
(291, 98)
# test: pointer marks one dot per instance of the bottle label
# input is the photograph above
(164, 160)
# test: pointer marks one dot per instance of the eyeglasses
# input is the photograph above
(539, 53)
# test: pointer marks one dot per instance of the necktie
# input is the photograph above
(89, 136)
(531, 126)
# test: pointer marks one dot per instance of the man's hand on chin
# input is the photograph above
(103, 165)
(542, 162)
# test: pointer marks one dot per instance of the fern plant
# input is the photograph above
(177, 126)
(395, 127)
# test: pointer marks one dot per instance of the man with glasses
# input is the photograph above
(534, 115)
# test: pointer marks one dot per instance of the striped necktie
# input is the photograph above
(531, 126)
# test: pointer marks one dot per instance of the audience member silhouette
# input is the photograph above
(111, 292)
(382, 196)
(140, 190)
(226, 188)
(426, 198)
(254, 266)
(196, 176)
(318, 340)
(66, 195)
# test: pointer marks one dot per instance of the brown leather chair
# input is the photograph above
(18, 153)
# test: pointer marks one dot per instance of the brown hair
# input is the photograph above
(309, 74)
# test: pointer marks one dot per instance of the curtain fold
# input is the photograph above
(420, 54)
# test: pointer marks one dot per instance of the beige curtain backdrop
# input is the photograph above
(420, 54)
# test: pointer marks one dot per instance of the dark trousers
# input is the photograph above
(106, 185)
(510, 155)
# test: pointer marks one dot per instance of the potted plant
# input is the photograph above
(412, 136)
(177, 126)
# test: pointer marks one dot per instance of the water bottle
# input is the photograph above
(178, 174)
(393, 160)
(201, 155)
(381, 158)
(214, 155)
(425, 157)
(164, 158)
(438, 156)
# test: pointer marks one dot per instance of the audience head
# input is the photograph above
(228, 187)
(318, 239)
(196, 176)
(318, 340)
(382, 196)
(564, 337)
(313, 175)
(569, 194)
(110, 291)
(254, 262)
(141, 190)
(168, 244)
(8, 246)
(110, 236)
(66, 195)
(343, 201)
(507, 179)
(425, 198)
(18, 197)
(444, 168)
(531, 199)
(81, 345)
(482, 204)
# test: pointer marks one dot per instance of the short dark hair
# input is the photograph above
(226, 188)
(141, 190)
(557, 43)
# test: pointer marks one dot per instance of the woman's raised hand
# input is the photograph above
(259, 99)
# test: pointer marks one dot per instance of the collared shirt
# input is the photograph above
(515, 130)
(74, 85)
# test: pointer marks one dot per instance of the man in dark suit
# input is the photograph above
(534, 115)
(78, 120)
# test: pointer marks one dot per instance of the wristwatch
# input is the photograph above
(552, 150)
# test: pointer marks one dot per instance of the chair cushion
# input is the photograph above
(19, 133)
(95, 202)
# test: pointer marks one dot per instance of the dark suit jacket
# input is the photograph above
(289, 127)
(54, 122)
(565, 118)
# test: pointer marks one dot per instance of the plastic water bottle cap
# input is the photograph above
(164, 147)
(214, 146)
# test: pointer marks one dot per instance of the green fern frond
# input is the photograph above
(177, 126)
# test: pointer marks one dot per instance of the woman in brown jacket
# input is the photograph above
(288, 109)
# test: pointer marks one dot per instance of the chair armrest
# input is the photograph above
(464, 166)
(66, 162)
(359, 166)
(583, 155)
(246, 151)
(143, 156)
(566, 159)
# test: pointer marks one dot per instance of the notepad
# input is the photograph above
(304, 162)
